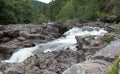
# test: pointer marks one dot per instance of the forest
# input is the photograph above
(32, 11)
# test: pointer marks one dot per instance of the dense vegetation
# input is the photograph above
(32, 11)
(21, 11)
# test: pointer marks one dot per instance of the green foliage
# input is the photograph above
(102, 16)
(108, 39)
(19, 11)
(83, 10)
(32, 11)
(54, 8)
(117, 25)
(67, 12)
(116, 4)
(114, 68)
(5, 6)
(86, 13)
(41, 18)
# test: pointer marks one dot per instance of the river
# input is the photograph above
(67, 41)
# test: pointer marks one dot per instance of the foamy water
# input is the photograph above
(68, 41)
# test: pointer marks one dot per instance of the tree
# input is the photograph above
(116, 9)
(19, 11)
(67, 12)
(54, 8)
(6, 13)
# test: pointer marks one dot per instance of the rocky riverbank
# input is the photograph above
(89, 60)
(18, 36)
(92, 60)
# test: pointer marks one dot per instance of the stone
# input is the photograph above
(89, 44)
(5, 39)
(99, 62)
(18, 36)
(88, 67)
(1, 72)
(46, 63)
(19, 69)
(21, 38)
(110, 52)
(58, 61)
(1, 33)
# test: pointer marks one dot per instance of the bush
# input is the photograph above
(116, 9)
(41, 18)
(114, 69)
(117, 26)
(102, 16)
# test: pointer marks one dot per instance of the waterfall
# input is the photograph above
(68, 41)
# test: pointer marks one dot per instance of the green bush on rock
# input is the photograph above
(114, 69)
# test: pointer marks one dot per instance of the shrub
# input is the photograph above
(117, 26)
(102, 16)
(116, 9)
(114, 69)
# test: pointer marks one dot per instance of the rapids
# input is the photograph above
(67, 41)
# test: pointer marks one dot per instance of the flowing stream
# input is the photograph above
(68, 41)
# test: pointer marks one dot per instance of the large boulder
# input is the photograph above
(98, 63)
(89, 44)
(109, 53)
(88, 67)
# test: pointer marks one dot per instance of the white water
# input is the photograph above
(68, 41)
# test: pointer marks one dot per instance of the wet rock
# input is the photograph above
(89, 41)
(89, 44)
(109, 53)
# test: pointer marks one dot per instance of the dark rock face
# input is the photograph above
(19, 36)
